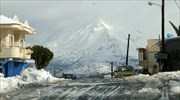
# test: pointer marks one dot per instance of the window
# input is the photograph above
(141, 56)
(11, 41)
(21, 43)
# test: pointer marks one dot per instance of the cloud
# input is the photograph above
(67, 16)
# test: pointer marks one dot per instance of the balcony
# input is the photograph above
(17, 51)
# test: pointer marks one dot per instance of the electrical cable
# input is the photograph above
(177, 4)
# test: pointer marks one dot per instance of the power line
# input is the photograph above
(177, 4)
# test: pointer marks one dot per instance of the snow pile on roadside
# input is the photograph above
(147, 92)
(10, 83)
(168, 75)
(153, 84)
(175, 87)
(1, 75)
(32, 75)
(28, 76)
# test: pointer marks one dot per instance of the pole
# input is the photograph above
(163, 42)
(162, 29)
(112, 70)
(127, 50)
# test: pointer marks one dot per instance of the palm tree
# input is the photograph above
(175, 28)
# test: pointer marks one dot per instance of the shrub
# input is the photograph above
(41, 55)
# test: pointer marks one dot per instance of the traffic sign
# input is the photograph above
(161, 56)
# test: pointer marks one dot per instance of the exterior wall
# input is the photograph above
(152, 62)
(152, 45)
(143, 62)
(4, 38)
(152, 49)
(173, 44)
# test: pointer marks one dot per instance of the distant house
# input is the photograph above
(12, 44)
(147, 56)
(148, 60)
(142, 57)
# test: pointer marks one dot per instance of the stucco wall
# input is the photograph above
(152, 49)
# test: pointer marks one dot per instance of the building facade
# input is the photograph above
(12, 43)
(147, 56)
(148, 60)
(12, 38)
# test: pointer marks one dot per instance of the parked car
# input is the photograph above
(124, 71)
(69, 76)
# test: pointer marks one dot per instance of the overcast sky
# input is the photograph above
(53, 16)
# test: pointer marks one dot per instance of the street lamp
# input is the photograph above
(152, 3)
(162, 28)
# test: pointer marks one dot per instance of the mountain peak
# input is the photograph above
(102, 23)
(98, 25)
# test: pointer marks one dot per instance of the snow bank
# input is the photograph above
(168, 75)
(174, 87)
(10, 83)
(153, 84)
(1, 75)
(147, 92)
(151, 81)
(32, 75)
(27, 76)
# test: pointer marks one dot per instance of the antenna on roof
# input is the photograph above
(26, 23)
(16, 18)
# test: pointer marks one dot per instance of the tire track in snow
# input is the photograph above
(114, 91)
(101, 92)
(79, 92)
(64, 94)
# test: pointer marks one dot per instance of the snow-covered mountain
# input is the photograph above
(91, 48)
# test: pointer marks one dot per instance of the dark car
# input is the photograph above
(69, 76)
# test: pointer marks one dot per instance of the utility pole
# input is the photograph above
(112, 73)
(127, 50)
(162, 54)
(163, 40)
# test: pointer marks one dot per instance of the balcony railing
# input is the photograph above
(13, 44)
(14, 50)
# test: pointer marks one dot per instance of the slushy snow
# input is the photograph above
(139, 86)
